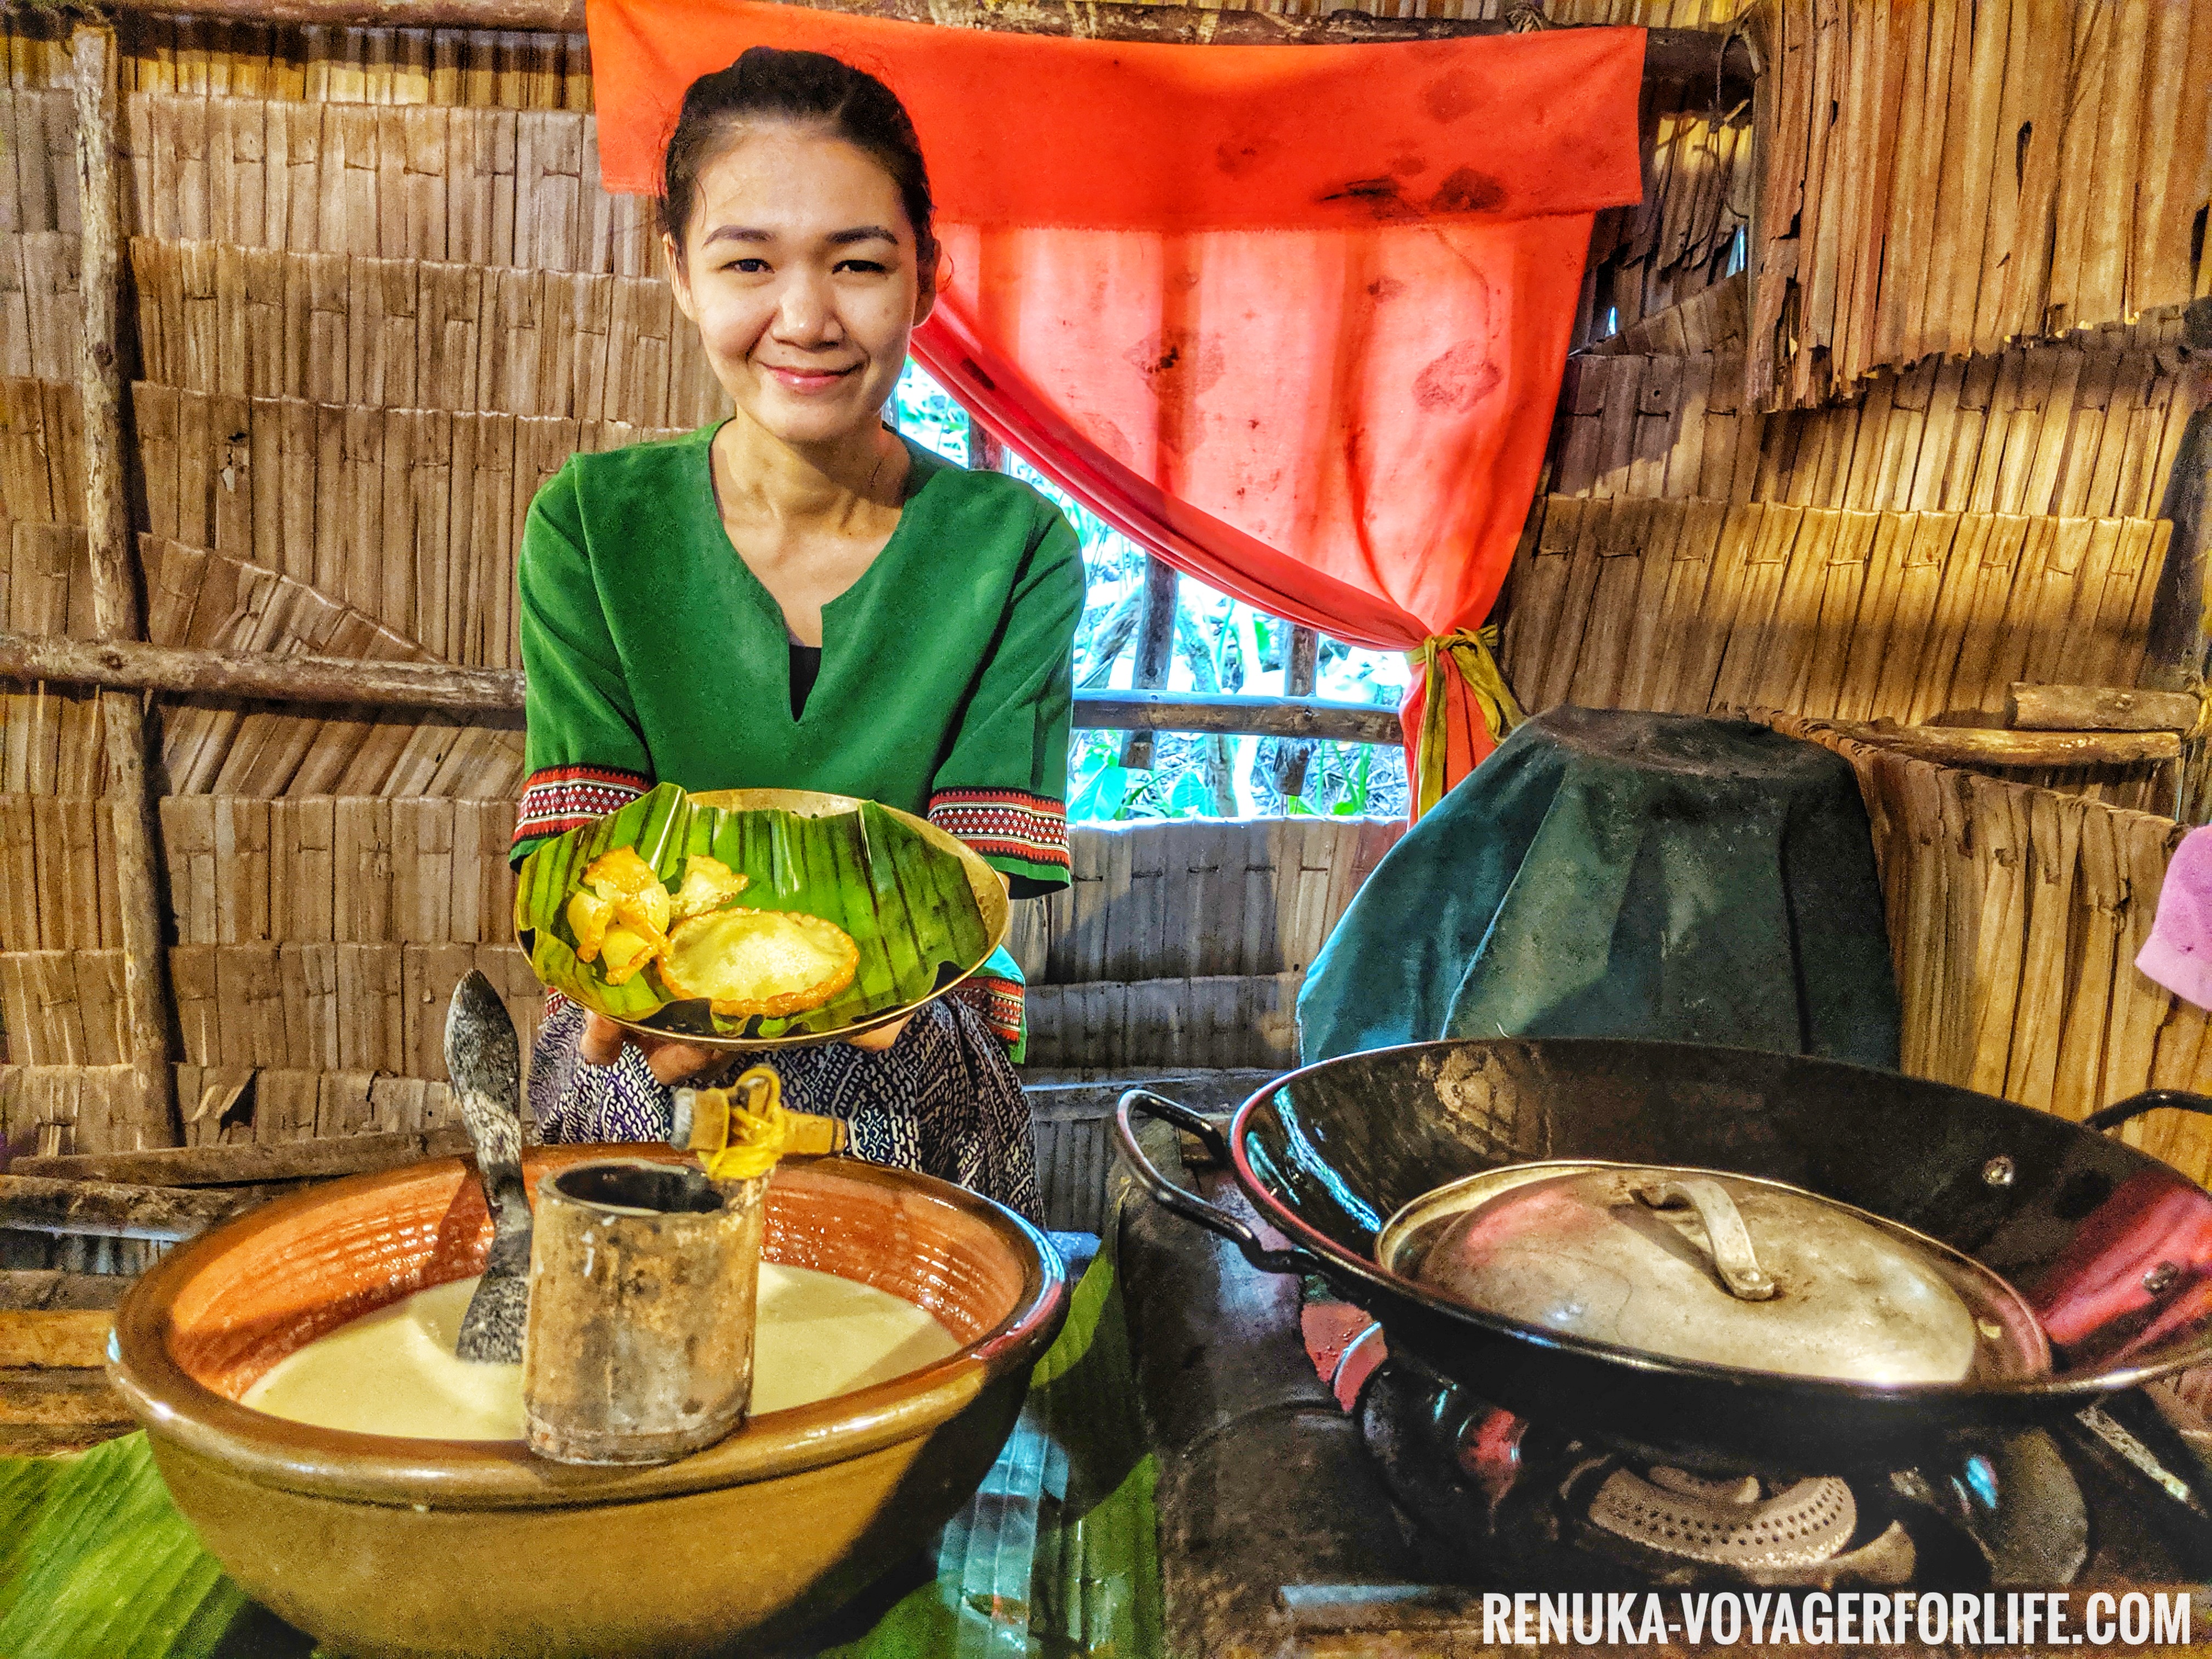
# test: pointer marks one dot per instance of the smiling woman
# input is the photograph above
(795, 597)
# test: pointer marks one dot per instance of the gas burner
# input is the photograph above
(1745, 1523)
(1496, 1499)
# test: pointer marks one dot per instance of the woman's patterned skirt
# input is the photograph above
(942, 1099)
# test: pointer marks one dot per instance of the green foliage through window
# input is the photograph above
(1221, 644)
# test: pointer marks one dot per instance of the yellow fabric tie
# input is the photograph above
(740, 1136)
(1472, 650)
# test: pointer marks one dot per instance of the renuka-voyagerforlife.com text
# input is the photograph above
(1819, 1618)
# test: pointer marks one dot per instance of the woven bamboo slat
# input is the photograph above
(2045, 430)
(2015, 913)
(407, 334)
(492, 188)
(210, 57)
(1953, 177)
(410, 517)
(1824, 612)
(1662, 268)
(414, 870)
(222, 1105)
(226, 745)
(342, 1006)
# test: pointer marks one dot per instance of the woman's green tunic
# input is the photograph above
(653, 654)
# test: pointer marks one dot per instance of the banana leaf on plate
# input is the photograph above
(923, 908)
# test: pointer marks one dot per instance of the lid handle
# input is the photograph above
(1725, 1235)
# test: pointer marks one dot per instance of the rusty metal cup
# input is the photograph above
(644, 1280)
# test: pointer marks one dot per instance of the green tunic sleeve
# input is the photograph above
(584, 753)
(1002, 786)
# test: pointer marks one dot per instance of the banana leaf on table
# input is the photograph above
(910, 903)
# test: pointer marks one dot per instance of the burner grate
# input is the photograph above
(1730, 1523)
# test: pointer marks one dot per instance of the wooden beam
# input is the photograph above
(1970, 745)
(115, 578)
(260, 674)
(1678, 57)
(340, 680)
(1273, 717)
(107, 1210)
(50, 1339)
(1300, 671)
(241, 1165)
(2099, 708)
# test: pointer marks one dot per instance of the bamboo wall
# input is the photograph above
(2015, 913)
(1682, 241)
(1917, 452)
(1944, 177)
(379, 298)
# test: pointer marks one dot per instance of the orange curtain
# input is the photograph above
(1292, 317)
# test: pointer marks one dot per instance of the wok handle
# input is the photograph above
(2150, 1100)
(1189, 1206)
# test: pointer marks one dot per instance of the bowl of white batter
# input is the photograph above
(287, 1367)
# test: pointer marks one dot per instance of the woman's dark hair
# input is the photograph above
(768, 83)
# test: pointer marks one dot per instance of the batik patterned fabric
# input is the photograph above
(942, 1099)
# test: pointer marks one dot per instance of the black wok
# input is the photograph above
(2111, 1247)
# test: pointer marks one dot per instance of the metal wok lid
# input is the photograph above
(1718, 1269)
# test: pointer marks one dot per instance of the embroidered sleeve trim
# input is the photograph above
(998, 1001)
(560, 798)
(1004, 823)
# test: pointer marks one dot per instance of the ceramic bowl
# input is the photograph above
(378, 1544)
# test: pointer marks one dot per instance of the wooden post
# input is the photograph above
(2175, 656)
(115, 611)
(985, 452)
(1300, 671)
(1155, 651)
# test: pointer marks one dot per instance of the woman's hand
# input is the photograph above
(669, 1061)
(882, 1037)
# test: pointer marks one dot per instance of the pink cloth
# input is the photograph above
(2179, 954)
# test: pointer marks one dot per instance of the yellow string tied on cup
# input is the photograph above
(740, 1131)
(1472, 652)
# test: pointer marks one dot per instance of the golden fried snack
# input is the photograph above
(758, 962)
(709, 884)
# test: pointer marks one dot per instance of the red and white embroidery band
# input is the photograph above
(1004, 823)
(561, 796)
(999, 1001)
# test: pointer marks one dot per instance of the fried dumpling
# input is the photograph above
(709, 884)
(758, 962)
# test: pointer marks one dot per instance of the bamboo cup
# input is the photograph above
(644, 1281)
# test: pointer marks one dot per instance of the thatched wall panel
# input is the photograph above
(205, 56)
(476, 186)
(1683, 240)
(410, 517)
(38, 162)
(1691, 606)
(2048, 429)
(409, 334)
(1946, 177)
(350, 1007)
(2015, 913)
(49, 744)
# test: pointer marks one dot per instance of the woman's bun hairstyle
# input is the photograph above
(811, 87)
